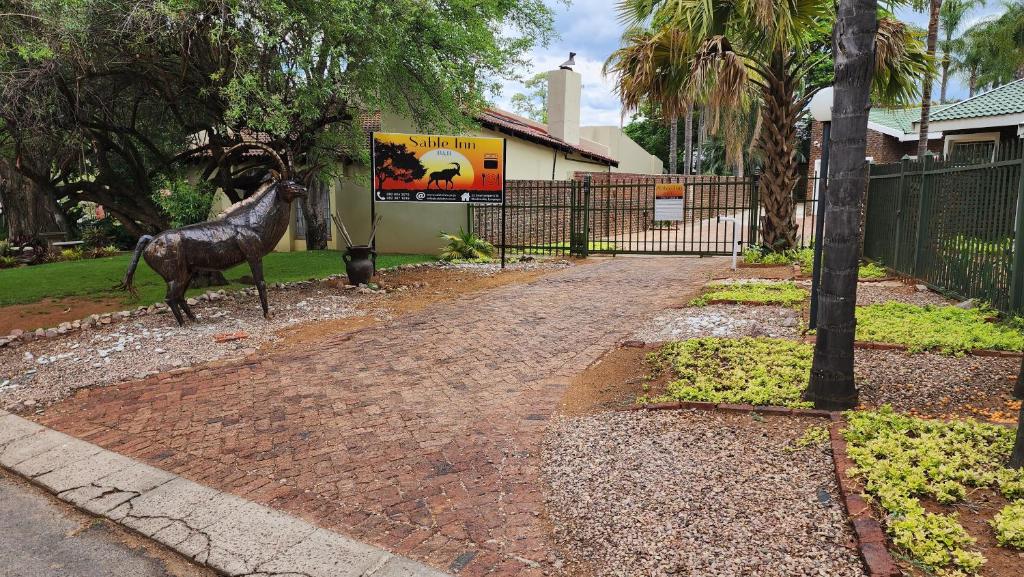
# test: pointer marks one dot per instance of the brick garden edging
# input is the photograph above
(871, 539)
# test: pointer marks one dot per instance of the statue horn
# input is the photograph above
(285, 173)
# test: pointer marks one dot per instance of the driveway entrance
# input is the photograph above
(421, 436)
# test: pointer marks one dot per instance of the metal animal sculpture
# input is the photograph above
(446, 175)
(244, 233)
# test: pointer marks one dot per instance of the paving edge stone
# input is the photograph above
(871, 540)
(227, 533)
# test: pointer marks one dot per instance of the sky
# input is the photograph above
(592, 30)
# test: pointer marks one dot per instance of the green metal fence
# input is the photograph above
(615, 214)
(950, 223)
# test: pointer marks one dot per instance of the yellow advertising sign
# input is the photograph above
(438, 168)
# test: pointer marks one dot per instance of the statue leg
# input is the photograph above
(257, 275)
(184, 302)
(172, 300)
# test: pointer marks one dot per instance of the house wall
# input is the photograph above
(631, 156)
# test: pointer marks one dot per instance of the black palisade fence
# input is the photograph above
(951, 222)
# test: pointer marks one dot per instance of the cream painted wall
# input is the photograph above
(416, 227)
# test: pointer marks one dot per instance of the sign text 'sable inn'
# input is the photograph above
(437, 168)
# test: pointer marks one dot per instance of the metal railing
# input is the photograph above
(615, 214)
(951, 223)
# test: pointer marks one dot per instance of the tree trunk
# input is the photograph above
(972, 84)
(314, 213)
(945, 79)
(1017, 456)
(926, 89)
(780, 170)
(832, 386)
(27, 209)
(673, 144)
(701, 137)
(1018, 390)
(688, 145)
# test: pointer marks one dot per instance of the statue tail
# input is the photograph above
(129, 275)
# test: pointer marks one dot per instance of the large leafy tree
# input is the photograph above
(725, 51)
(107, 95)
(991, 52)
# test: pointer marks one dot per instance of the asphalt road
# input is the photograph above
(42, 537)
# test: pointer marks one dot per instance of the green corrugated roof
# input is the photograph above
(901, 119)
(1007, 99)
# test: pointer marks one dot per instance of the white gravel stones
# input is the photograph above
(728, 321)
(47, 370)
(691, 493)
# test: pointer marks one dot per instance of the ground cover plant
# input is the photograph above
(764, 293)
(759, 371)
(904, 460)
(869, 271)
(466, 247)
(805, 258)
(945, 329)
(97, 277)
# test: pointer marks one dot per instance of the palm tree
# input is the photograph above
(646, 70)
(951, 16)
(934, 6)
(730, 50)
(832, 384)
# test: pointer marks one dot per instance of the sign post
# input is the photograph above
(439, 169)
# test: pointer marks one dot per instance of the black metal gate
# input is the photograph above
(615, 214)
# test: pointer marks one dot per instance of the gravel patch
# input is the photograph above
(692, 493)
(44, 371)
(895, 291)
(935, 385)
(730, 321)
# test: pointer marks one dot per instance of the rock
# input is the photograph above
(4, 341)
(921, 287)
(77, 324)
(967, 304)
(228, 337)
(29, 402)
(192, 302)
(789, 322)
(16, 333)
(106, 320)
(50, 333)
(159, 351)
(40, 333)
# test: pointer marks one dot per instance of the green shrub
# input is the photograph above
(105, 251)
(70, 254)
(776, 293)
(5, 248)
(759, 371)
(946, 329)
(902, 459)
(761, 255)
(1009, 526)
(872, 271)
(184, 202)
(8, 262)
(466, 246)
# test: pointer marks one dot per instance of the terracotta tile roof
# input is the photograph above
(527, 129)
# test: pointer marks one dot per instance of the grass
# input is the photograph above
(761, 293)
(96, 277)
(759, 371)
(593, 245)
(947, 329)
(902, 460)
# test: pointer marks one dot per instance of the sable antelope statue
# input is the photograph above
(246, 232)
(446, 175)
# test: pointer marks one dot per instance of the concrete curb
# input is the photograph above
(229, 534)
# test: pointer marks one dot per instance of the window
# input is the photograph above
(972, 147)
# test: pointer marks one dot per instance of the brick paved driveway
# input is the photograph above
(421, 436)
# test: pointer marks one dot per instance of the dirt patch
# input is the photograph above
(612, 383)
(777, 272)
(53, 312)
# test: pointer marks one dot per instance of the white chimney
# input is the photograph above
(564, 86)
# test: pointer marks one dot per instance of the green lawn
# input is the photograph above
(96, 277)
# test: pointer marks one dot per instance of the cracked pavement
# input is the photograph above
(229, 534)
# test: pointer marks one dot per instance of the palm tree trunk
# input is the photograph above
(945, 79)
(701, 138)
(926, 89)
(673, 144)
(832, 386)
(688, 137)
(1017, 456)
(777, 144)
(972, 83)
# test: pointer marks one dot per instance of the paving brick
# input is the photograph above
(421, 436)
